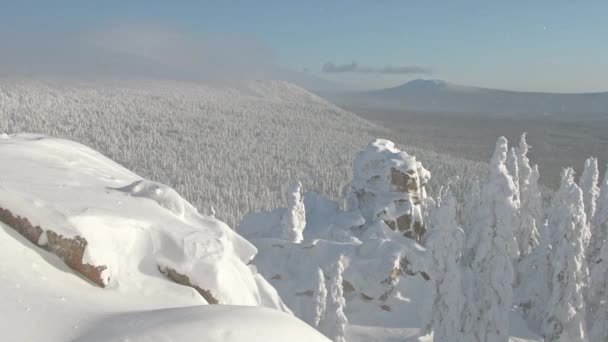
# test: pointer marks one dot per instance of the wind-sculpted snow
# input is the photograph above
(118, 230)
(234, 148)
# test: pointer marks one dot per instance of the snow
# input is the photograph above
(37, 288)
(383, 289)
(202, 323)
(132, 226)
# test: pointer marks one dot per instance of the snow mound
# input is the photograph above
(203, 323)
(118, 230)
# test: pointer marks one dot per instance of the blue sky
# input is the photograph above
(522, 45)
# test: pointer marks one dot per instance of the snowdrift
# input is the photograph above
(119, 230)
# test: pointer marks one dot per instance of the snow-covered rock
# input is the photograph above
(388, 184)
(41, 299)
(119, 230)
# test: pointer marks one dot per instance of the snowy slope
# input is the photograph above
(235, 148)
(41, 299)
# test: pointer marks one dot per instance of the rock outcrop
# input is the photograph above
(388, 185)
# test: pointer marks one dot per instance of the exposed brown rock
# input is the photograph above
(21, 224)
(70, 250)
(184, 280)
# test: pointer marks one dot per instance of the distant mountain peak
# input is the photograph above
(425, 84)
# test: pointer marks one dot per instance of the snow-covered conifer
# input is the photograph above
(444, 245)
(534, 280)
(320, 299)
(335, 322)
(513, 168)
(531, 215)
(599, 223)
(597, 298)
(564, 315)
(294, 220)
(487, 310)
(523, 163)
(588, 184)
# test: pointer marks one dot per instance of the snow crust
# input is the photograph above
(133, 226)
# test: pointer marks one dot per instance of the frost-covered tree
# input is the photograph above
(588, 184)
(599, 223)
(597, 298)
(294, 220)
(335, 322)
(535, 278)
(444, 245)
(523, 163)
(531, 215)
(513, 168)
(487, 309)
(564, 315)
(320, 299)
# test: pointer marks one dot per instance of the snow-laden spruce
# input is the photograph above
(294, 220)
(597, 298)
(565, 313)
(444, 247)
(493, 248)
(531, 215)
(512, 166)
(335, 322)
(599, 223)
(320, 299)
(589, 185)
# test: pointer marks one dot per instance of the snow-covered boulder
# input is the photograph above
(388, 185)
(117, 229)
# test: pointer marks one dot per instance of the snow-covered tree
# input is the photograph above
(599, 223)
(597, 298)
(294, 220)
(523, 163)
(531, 215)
(444, 245)
(320, 299)
(535, 278)
(588, 184)
(487, 310)
(513, 168)
(564, 315)
(335, 322)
